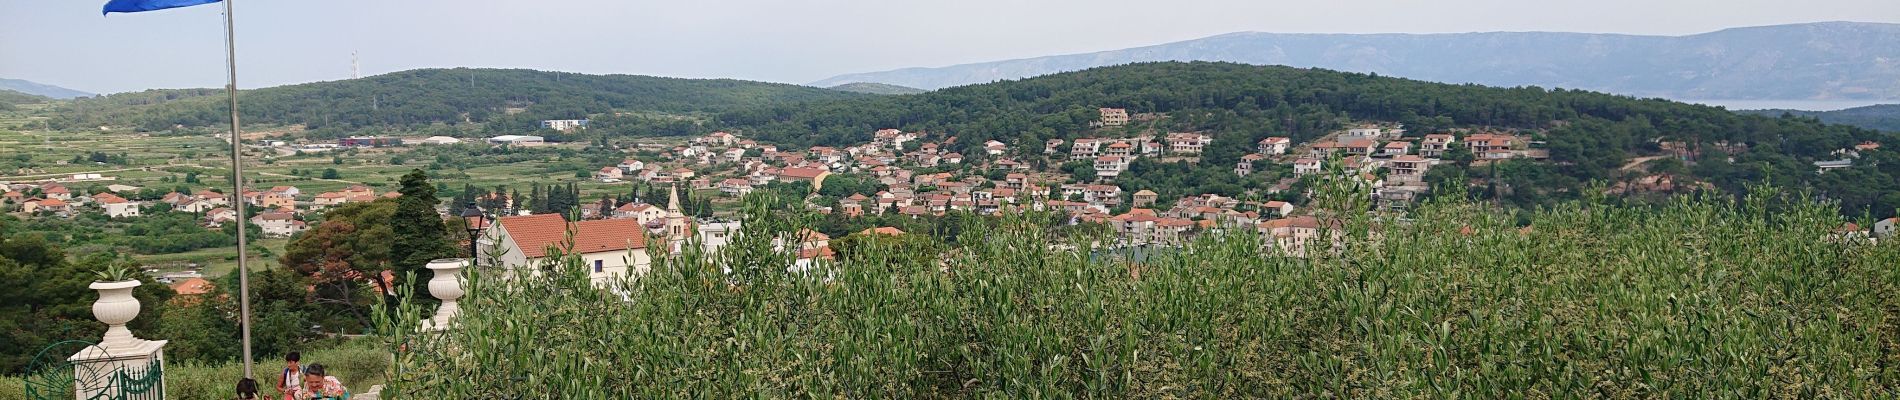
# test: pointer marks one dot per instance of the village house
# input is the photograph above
(1306, 166)
(994, 148)
(1492, 143)
(1277, 208)
(278, 224)
(197, 206)
(1110, 167)
(1396, 148)
(327, 200)
(813, 175)
(1119, 149)
(640, 212)
(1085, 149)
(56, 192)
(1188, 143)
(275, 200)
(1275, 145)
(719, 139)
(115, 206)
(892, 138)
(1364, 132)
(608, 248)
(563, 125)
(1052, 146)
(50, 206)
(1245, 166)
(628, 166)
(1143, 198)
(608, 174)
(1409, 168)
(1113, 116)
(291, 191)
(1435, 145)
(217, 217)
(735, 187)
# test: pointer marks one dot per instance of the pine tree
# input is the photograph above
(420, 233)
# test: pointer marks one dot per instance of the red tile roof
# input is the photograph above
(535, 233)
(882, 230)
(192, 286)
(801, 173)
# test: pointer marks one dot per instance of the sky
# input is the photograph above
(68, 43)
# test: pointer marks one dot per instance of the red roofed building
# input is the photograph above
(813, 175)
(607, 248)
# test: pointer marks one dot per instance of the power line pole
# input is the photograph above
(237, 189)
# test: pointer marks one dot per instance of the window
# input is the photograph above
(598, 267)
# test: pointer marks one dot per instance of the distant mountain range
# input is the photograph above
(40, 89)
(1828, 60)
(1884, 117)
(876, 88)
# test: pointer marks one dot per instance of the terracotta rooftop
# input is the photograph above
(193, 286)
(535, 233)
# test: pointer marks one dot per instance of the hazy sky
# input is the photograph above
(67, 42)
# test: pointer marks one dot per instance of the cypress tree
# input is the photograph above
(420, 233)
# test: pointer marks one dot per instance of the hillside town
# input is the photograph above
(895, 173)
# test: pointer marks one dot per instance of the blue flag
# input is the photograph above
(127, 6)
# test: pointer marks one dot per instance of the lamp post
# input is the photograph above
(475, 221)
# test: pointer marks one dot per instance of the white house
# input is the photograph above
(117, 207)
(630, 165)
(563, 124)
(1306, 166)
(517, 140)
(1109, 167)
(278, 224)
(608, 248)
(1274, 145)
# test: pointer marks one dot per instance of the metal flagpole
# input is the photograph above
(237, 186)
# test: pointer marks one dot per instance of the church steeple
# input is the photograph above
(676, 223)
(673, 201)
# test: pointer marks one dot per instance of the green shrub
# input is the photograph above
(1696, 299)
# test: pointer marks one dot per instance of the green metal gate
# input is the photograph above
(51, 376)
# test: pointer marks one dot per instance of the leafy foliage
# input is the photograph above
(1711, 298)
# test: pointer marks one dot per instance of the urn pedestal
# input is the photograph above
(121, 363)
(446, 286)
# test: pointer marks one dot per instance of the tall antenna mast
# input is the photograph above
(356, 70)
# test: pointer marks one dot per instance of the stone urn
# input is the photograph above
(116, 307)
(447, 287)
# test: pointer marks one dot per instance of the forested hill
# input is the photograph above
(1884, 117)
(1589, 135)
(427, 96)
(9, 98)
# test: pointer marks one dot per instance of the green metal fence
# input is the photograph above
(51, 376)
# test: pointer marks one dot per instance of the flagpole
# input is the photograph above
(237, 186)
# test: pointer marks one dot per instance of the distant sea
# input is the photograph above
(1804, 105)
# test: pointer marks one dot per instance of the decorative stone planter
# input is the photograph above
(116, 307)
(447, 287)
(120, 353)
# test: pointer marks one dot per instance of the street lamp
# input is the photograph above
(475, 221)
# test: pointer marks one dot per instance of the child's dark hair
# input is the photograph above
(314, 369)
(293, 356)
